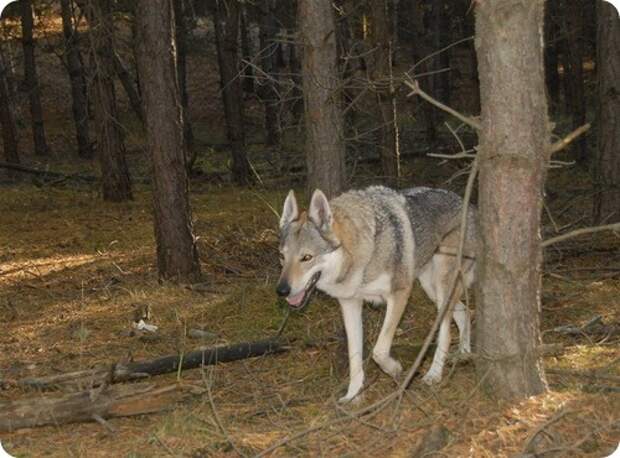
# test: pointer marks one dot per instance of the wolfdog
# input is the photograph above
(370, 245)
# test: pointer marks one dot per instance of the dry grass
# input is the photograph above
(72, 272)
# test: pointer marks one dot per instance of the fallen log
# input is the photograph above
(47, 173)
(167, 364)
(90, 405)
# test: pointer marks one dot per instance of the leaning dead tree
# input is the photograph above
(325, 149)
(513, 152)
(177, 254)
(7, 119)
(116, 184)
(31, 80)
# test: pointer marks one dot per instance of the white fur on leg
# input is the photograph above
(396, 304)
(352, 316)
(435, 372)
(463, 322)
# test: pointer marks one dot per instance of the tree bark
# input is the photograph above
(226, 19)
(552, 76)
(31, 81)
(383, 85)
(177, 254)
(116, 184)
(181, 42)
(79, 103)
(325, 148)
(268, 88)
(513, 153)
(7, 120)
(573, 71)
(607, 169)
(124, 76)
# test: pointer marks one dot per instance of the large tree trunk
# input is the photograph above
(116, 184)
(573, 71)
(226, 19)
(7, 120)
(181, 41)
(325, 149)
(513, 155)
(78, 82)
(177, 255)
(607, 168)
(31, 81)
(552, 76)
(268, 88)
(383, 83)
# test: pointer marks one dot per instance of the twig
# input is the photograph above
(555, 418)
(417, 90)
(563, 143)
(577, 232)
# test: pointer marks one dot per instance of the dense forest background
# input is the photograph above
(112, 215)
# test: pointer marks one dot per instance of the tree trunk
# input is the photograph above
(32, 82)
(247, 51)
(177, 255)
(78, 82)
(268, 92)
(383, 84)
(181, 41)
(552, 76)
(226, 19)
(573, 72)
(115, 179)
(607, 170)
(513, 154)
(7, 120)
(325, 149)
(133, 95)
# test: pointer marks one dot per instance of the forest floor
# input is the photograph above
(73, 269)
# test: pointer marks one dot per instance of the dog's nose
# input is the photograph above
(283, 288)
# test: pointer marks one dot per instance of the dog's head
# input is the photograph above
(306, 241)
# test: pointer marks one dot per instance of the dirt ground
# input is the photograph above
(74, 269)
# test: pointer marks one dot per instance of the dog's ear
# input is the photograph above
(320, 212)
(290, 211)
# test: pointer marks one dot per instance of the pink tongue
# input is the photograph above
(296, 299)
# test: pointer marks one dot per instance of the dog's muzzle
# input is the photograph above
(300, 300)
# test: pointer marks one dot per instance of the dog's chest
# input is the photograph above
(375, 290)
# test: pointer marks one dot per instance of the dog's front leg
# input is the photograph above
(352, 316)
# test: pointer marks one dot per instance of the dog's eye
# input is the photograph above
(306, 258)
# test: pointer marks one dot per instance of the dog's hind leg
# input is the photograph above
(352, 317)
(463, 322)
(441, 276)
(396, 303)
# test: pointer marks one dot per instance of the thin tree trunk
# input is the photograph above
(31, 81)
(268, 92)
(513, 153)
(78, 82)
(226, 19)
(181, 42)
(607, 169)
(383, 84)
(246, 50)
(124, 76)
(116, 184)
(177, 255)
(7, 121)
(325, 149)
(573, 71)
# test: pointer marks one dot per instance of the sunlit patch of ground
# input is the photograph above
(74, 269)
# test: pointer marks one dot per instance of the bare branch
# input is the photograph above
(563, 143)
(417, 90)
(586, 230)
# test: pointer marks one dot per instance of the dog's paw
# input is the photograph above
(389, 365)
(432, 377)
(354, 400)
